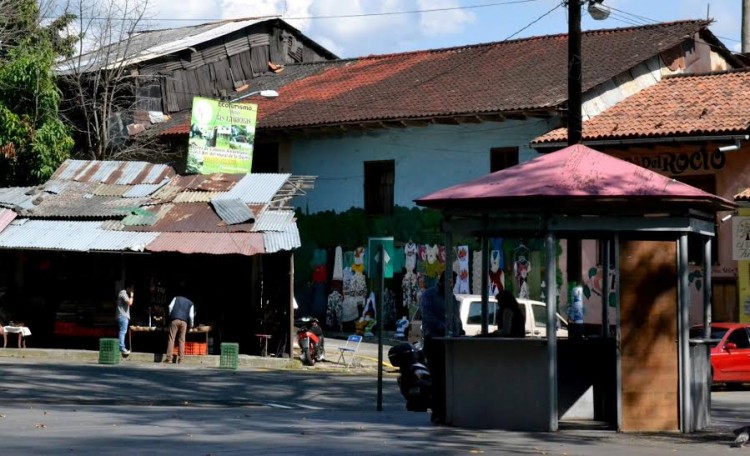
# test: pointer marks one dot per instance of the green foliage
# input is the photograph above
(29, 100)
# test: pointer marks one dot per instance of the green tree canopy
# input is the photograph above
(33, 139)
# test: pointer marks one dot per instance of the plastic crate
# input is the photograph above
(230, 353)
(109, 351)
(193, 348)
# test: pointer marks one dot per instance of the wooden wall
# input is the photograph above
(648, 318)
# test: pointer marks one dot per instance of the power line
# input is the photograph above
(534, 21)
(333, 16)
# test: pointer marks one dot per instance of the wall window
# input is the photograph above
(503, 157)
(379, 178)
(265, 158)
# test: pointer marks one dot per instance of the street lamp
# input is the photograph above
(575, 83)
(262, 93)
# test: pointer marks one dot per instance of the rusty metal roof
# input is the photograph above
(209, 243)
(77, 205)
(189, 217)
(139, 202)
(113, 172)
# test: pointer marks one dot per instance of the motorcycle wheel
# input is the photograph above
(307, 359)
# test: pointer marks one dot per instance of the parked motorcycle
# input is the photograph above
(414, 380)
(309, 337)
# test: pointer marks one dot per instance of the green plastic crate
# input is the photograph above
(230, 354)
(109, 351)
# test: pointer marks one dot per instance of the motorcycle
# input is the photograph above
(414, 380)
(309, 342)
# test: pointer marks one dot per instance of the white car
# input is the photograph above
(471, 317)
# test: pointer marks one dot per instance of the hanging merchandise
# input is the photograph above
(521, 269)
(338, 264)
(497, 276)
(409, 282)
(462, 270)
(359, 260)
(355, 290)
(334, 310)
(497, 266)
(319, 257)
(389, 308)
(476, 276)
(319, 274)
(410, 257)
(401, 326)
(370, 306)
(433, 267)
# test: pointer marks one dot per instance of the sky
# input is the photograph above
(353, 28)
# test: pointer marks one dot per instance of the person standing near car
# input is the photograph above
(124, 302)
(181, 316)
(432, 306)
(511, 320)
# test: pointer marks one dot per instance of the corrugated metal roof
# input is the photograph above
(218, 182)
(113, 172)
(256, 188)
(143, 190)
(68, 235)
(195, 197)
(105, 190)
(233, 211)
(270, 220)
(72, 205)
(288, 239)
(6, 216)
(209, 243)
(17, 196)
(191, 217)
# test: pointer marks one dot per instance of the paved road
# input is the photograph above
(86, 408)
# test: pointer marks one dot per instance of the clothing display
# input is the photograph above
(319, 257)
(355, 291)
(334, 310)
(521, 269)
(338, 264)
(497, 276)
(462, 270)
(359, 260)
(476, 277)
(410, 257)
(409, 292)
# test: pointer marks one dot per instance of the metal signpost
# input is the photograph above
(381, 262)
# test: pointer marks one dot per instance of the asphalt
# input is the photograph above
(64, 402)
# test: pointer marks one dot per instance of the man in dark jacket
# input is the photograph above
(181, 316)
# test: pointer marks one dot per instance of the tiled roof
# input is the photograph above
(686, 105)
(509, 76)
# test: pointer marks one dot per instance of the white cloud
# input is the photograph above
(443, 22)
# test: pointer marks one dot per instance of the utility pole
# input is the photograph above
(745, 26)
(575, 76)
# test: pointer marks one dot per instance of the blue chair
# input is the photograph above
(349, 350)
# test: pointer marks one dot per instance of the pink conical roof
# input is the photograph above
(576, 173)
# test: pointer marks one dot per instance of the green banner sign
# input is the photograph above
(221, 137)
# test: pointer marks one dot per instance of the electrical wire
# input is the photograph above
(534, 21)
(333, 16)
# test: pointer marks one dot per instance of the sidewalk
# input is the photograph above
(365, 360)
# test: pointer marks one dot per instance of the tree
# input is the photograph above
(33, 139)
(100, 86)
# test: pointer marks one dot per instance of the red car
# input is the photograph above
(730, 351)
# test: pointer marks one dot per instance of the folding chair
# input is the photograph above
(350, 348)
